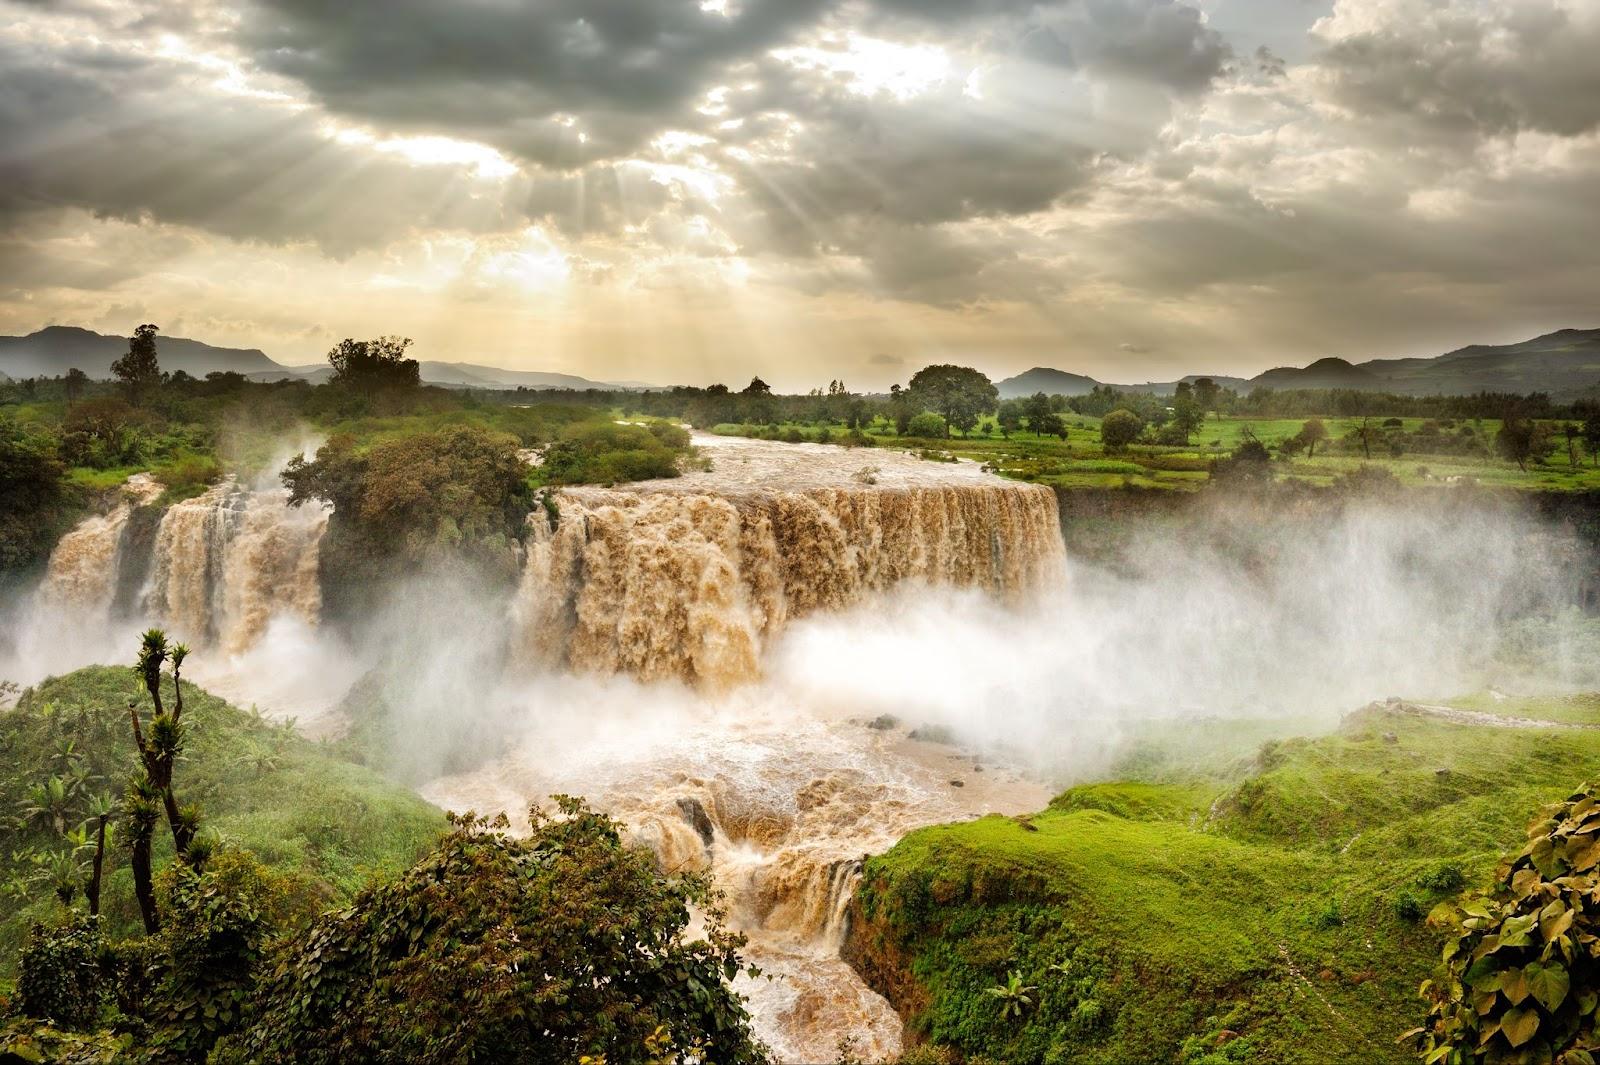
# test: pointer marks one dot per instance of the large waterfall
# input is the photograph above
(687, 584)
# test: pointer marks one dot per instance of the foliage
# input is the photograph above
(545, 948)
(611, 453)
(1119, 429)
(322, 824)
(1521, 976)
(369, 366)
(33, 496)
(28, 1042)
(138, 370)
(927, 425)
(959, 393)
(59, 978)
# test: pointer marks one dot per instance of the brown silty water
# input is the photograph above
(690, 580)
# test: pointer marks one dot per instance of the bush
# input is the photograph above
(1119, 429)
(59, 979)
(928, 426)
(1447, 878)
(188, 475)
(465, 958)
(1520, 979)
(1408, 907)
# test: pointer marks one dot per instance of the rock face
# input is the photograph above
(688, 585)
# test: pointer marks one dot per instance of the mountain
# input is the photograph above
(1043, 379)
(55, 349)
(1324, 373)
(1565, 364)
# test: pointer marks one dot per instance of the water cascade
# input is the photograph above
(665, 583)
(81, 576)
(229, 560)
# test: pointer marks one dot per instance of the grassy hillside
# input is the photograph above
(326, 823)
(1268, 910)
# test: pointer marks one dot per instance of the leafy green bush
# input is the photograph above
(1521, 976)
(59, 978)
(496, 948)
(613, 453)
(188, 474)
(927, 425)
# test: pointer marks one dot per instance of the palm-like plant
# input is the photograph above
(1016, 998)
(48, 804)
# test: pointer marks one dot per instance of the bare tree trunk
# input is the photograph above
(143, 888)
(99, 865)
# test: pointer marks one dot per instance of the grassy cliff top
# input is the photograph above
(327, 824)
(1269, 909)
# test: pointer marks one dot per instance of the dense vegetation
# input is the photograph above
(1205, 911)
(411, 454)
(561, 945)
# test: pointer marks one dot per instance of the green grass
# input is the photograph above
(325, 823)
(1259, 910)
(1081, 462)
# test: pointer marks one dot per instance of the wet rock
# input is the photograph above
(694, 812)
(933, 734)
(884, 722)
(1391, 737)
(958, 783)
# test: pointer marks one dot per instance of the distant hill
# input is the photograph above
(1565, 364)
(1324, 373)
(1050, 382)
(54, 350)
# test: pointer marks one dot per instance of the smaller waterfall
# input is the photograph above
(81, 576)
(229, 560)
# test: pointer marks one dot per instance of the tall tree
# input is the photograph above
(1312, 433)
(370, 366)
(959, 393)
(76, 381)
(138, 369)
(1206, 394)
(1037, 409)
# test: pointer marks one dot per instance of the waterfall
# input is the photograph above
(81, 575)
(229, 560)
(689, 585)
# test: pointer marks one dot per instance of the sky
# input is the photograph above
(686, 191)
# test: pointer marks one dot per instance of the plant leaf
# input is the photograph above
(1519, 1025)
(1548, 983)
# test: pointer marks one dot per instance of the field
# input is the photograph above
(1082, 461)
(1267, 908)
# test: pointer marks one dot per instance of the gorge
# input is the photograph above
(774, 667)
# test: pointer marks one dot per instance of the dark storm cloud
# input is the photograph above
(503, 72)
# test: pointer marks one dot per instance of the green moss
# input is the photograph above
(1256, 910)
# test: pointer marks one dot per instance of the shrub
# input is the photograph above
(58, 978)
(1447, 878)
(927, 425)
(1408, 907)
(188, 474)
(465, 958)
(1520, 980)
(1119, 429)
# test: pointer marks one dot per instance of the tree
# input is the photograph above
(1591, 437)
(1573, 432)
(369, 366)
(465, 958)
(1519, 980)
(1119, 429)
(1037, 409)
(1053, 425)
(958, 393)
(1312, 433)
(1206, 394)
(158, 744)
(756, 387)
(138, 369)
(75, 382)
(1009, 416)
(1521, 439)
(1250, 464)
